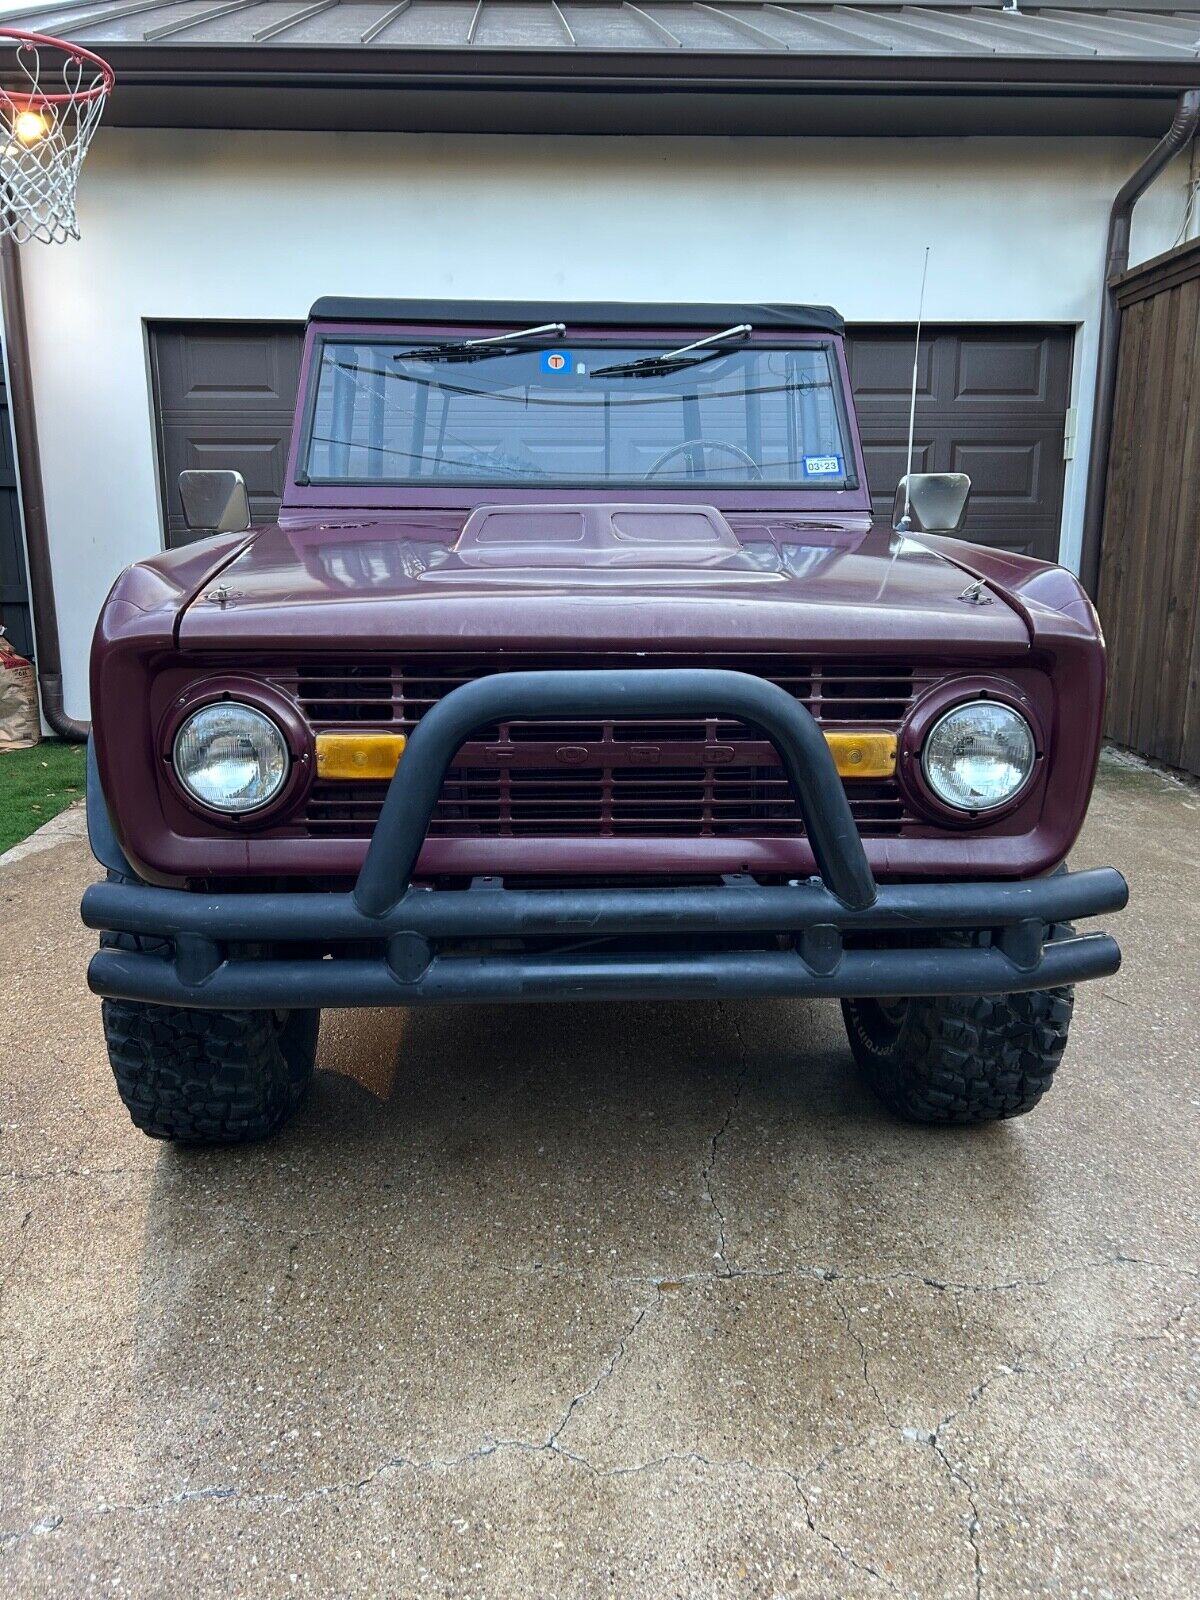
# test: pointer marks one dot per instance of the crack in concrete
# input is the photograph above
(838, 1549)
(760, 1469)
(864, 1357)
(605, 1374)
(830, 1275)
(481, 1452)
(957, 1472)
(550, 1445)
(1112, 1340)
(956, 1475)
(950, 1285)
(11, 1538)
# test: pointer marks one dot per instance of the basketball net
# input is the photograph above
(52, 96)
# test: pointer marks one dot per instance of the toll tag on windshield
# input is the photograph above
(824, 467)
(557, 362)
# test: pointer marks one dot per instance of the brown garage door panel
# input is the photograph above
(991, 402)
(881, 368)
(234, 365)
(999, 367)
(224, 397)
(1013, 475)
(994, 368)
(260, 457)
(886, 457)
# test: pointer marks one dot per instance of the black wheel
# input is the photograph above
(960, 1059)
(209, 1077)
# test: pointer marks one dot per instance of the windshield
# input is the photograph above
(575, 414)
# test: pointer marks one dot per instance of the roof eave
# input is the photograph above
(683, 91)
(139, 62)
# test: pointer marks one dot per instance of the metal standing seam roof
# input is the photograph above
(1086, 31)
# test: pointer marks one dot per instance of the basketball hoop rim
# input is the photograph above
(96, 91)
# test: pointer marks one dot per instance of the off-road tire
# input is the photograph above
(961, 1059)
(209, 1077)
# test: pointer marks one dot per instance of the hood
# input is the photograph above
(574, 576)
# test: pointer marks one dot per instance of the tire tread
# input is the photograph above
(208, 1077)
(963, 1058)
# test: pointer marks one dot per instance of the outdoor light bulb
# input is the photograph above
(30, 127)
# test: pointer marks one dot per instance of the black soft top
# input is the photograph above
(582, 313)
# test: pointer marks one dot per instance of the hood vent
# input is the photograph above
(596, 536)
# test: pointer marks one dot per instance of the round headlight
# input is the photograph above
(979, 755)
(230, 757)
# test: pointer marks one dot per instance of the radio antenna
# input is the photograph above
(905, 522)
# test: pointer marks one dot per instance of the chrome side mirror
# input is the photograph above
(931, 502)
(215, 502)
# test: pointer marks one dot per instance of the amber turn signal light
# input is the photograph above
(359, 755)
(863, 755)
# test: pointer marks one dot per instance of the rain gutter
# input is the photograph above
(1116, 261)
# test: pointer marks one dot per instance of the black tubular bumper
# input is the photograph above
(390, 943)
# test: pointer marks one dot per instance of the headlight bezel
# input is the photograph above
(929, 713)
(265, 701)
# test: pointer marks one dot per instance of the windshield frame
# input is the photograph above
(307, 493)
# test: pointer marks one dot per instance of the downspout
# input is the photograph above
(1116, 261)
(29, 473)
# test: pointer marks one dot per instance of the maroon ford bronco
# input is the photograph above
(574, 668)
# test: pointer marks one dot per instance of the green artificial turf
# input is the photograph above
(36, 785)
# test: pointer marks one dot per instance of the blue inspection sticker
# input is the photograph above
(557, 362)
(824, 467)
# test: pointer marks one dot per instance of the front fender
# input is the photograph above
(101, 836)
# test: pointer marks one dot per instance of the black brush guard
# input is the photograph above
(837, 935)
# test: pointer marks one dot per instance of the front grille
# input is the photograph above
(735, 803)
(677, 779)
(397, 694)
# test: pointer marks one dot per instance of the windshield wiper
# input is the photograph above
(496, 344)
(672, 358)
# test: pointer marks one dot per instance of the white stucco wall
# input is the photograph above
(249, 225)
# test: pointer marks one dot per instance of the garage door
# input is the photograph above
(990, 402)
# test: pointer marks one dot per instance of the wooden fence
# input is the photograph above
(1150, 557)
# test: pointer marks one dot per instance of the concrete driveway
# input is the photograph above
(641, 1301)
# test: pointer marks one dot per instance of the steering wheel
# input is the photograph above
(704, 444)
